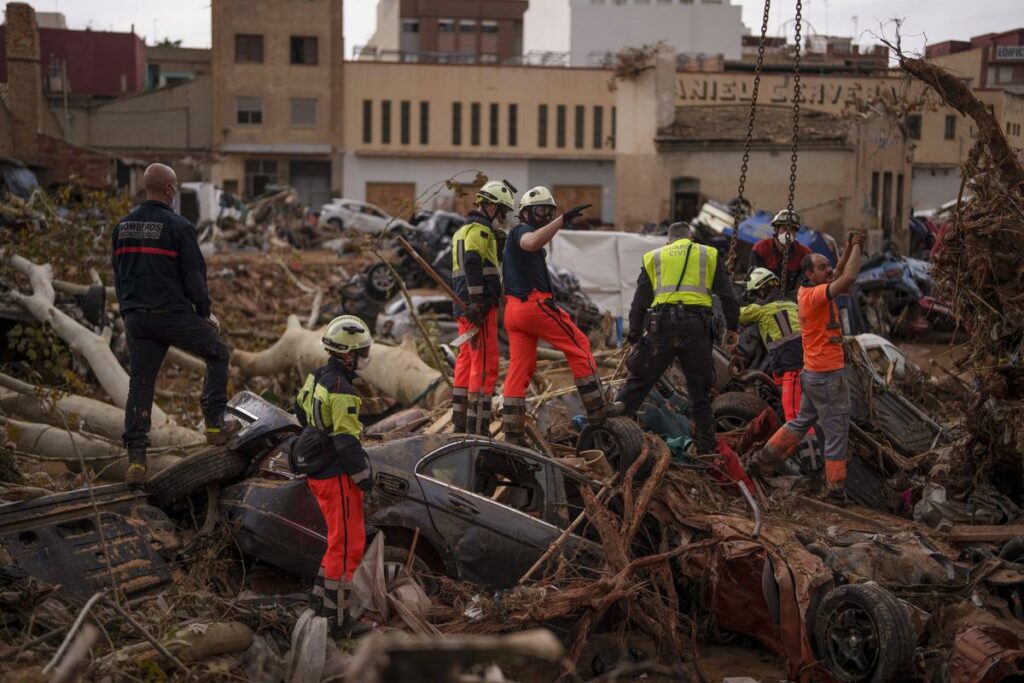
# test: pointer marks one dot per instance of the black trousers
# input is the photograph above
(149, 336)
(689, 340)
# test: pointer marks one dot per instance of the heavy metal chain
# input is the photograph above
(730, 260)
(783, 265)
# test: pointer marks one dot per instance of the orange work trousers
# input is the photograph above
(476, 367)
(341, 503)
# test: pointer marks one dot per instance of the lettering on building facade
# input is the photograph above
(823, 93)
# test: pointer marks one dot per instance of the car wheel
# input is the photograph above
(619, 438)
(863, 634)
(193, 474)
(1013, 551)
(395, 558)
(735, 409)
(380, 282)
(336, 224)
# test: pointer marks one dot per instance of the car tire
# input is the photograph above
(620, 438)
(735, 409)
(863, 634)
(1013, 551)
(336, 224)
(193, 474)
(395, 558)
(380, 281)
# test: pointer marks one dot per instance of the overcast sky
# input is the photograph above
(936, 20)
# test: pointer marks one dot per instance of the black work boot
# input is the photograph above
(136, 474)
(513, 421)
(316, 596)
(220, 431)
(594, 401)
(472, 401)
(459, 406)
(483, 416)
(765, 461)
(348, 627)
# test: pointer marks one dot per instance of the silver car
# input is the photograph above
(349, 214)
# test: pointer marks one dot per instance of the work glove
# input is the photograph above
(476, 312)
(634, 336)
(573, 213)
(732, 340)
(212, 321)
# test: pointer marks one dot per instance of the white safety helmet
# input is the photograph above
(497, 192)
(538, 196)
(786, 219)
(760, 278)
(345, 334)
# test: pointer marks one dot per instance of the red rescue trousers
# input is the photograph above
(341, 503)
(789, 384)
(538, 318)
(476, 367)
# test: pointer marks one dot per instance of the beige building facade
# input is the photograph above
(678, 149)
(277, 72)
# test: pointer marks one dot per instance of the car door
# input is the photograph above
(490, 504)
(375, 219)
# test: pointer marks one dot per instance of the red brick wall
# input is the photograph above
(61, 160)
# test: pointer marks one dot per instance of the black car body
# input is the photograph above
(485, 510)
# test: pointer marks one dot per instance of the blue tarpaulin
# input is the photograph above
(759, 227)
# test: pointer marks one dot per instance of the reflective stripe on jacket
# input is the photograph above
(671, 285)
(327, 400)
(777, 321)
(476, 270)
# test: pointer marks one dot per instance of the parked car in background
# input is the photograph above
(395, 324)
(350, 214)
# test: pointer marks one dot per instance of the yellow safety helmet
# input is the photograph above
(538, 196)
(346, 333)
(760, 278)
(497, 192)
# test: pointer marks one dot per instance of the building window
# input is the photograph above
(248, 49)
(513, 125)
(581, 115)
(467, 26)
(542, 125)
(950, 127)
(474, 124)
(887, 204)
(488, 26)
(385, 122)
(367, 121)
(456, 123)
(914, 126)
(446, 26)
(598, 127)
(424, 123)
(410, 25)
(874, 190)
(560, 126)
(899, 200)
(258, 174)
(404, 115)
(304, 50)
(303, 112)
(488, 58)
(249, 110)
(611, 143)
(494, 125)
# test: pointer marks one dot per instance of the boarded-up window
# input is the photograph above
(398, 199)
(303, 112)
(575, 195)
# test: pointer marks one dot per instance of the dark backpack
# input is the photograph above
(313, 450)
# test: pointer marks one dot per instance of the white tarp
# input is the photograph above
(607, 264)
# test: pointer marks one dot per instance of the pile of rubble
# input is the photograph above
(593, 554)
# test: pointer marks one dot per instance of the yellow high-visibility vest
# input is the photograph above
(665, 265)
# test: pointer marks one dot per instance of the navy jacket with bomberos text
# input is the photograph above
(157, 262)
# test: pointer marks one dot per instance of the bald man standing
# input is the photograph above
(160, 277)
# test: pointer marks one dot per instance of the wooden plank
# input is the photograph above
(983, 533)
(441, 423)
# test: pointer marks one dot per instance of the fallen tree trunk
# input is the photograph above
(57, 443)
(93, 347)
(397, 371)
(36, 404)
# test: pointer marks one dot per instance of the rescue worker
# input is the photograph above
(778, 324)
(531, 314)
(769, 252)
(672, 309)
(329, 401)
(476, 279)
(160, 280)
(825, 393)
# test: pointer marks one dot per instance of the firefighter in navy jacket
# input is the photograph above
(160, 278)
